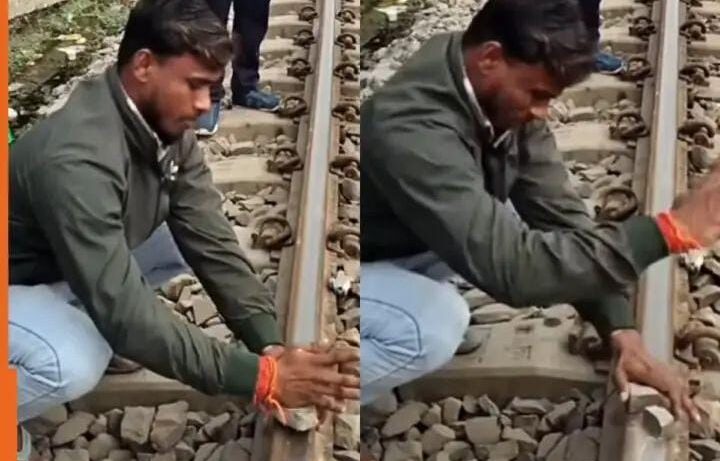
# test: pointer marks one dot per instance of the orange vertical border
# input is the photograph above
(8, 387)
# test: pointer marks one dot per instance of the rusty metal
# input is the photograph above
(629, 125)
(299, 68)
(347, 71)
(272, 233)
(293, 106)
(304, 38)
(638, 68)
(347, 41)
(307, 13)
(642, 27)
(347, 111)
(694, 29)
(696, 73)
(346, 16)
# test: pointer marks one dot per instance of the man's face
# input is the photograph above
(512, 93)
(175, 91)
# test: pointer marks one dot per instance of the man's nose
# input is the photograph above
(202, 100)
(540, 111)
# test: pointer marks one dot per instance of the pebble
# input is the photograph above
(435, 438)
(492, 313)
(487, 406)
(472, 340)
(136, 424)
(524, 441)
(432, 416)
(347, 431)
(101, 446)
(77, 425)
(71, 455)
(530, 406)
(169, 425)
(403, 451)
(559, 413)
(548, 443)
(404, 419)
(451, 410)
(483, 430)
(707, 448)
(581, 447)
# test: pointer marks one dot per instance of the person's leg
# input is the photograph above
(159, 258)
(410, 325)
(58, 352)
(250, 25)
(604, 62)
(208, 123)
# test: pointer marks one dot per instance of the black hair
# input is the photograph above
(550, 32)
(175, 27)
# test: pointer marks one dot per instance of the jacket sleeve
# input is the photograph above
(545, 199)
(434, 185)
(209, 245)
(77, 202)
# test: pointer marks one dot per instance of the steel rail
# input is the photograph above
(656, 290)
(303, 324)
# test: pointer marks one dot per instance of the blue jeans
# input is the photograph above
(58, 353)
(411, 321)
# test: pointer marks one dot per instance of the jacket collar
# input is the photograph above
(143, 140)
(466, 91)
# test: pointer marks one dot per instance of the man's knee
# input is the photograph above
(443, 329)
(81, 373)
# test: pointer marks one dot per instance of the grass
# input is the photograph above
(34, 34)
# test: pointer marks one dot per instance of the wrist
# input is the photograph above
(678, 237)
(624, 337)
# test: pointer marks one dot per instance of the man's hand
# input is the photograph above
(634, 363)
(699, 210)
(310, 377)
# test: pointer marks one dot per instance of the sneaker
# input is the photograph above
(608, 64)
(208, 123)
(259, 100)
(24, 453)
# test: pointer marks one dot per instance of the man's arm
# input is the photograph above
(77, 202)
(545, 199)
(436, 188)
(209, 245)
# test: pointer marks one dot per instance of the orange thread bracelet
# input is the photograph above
(676, 235)
(266, 387)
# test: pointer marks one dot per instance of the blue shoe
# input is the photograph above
(608, 64)
(258, 100)
(208, 123)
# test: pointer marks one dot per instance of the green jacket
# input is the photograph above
(433, 179)
(86, 187)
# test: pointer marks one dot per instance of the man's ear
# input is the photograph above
(489, 57)
(143, 65)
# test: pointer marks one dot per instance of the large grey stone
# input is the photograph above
(483, 430)
(77, 425)
(101, 446)
(435, 438)
(403, 451)
(347, 431)
(451, 410)
(403, 419)
(169, 425)
(71, 455)
(136, 424)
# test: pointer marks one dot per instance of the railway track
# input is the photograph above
(291, 188)
(632, 143)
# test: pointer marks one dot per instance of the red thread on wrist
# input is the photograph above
(266, 387)
(676, 235)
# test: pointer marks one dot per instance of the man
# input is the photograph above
(448, 141)
(605, 63)
(250, 24)
(110, 197)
